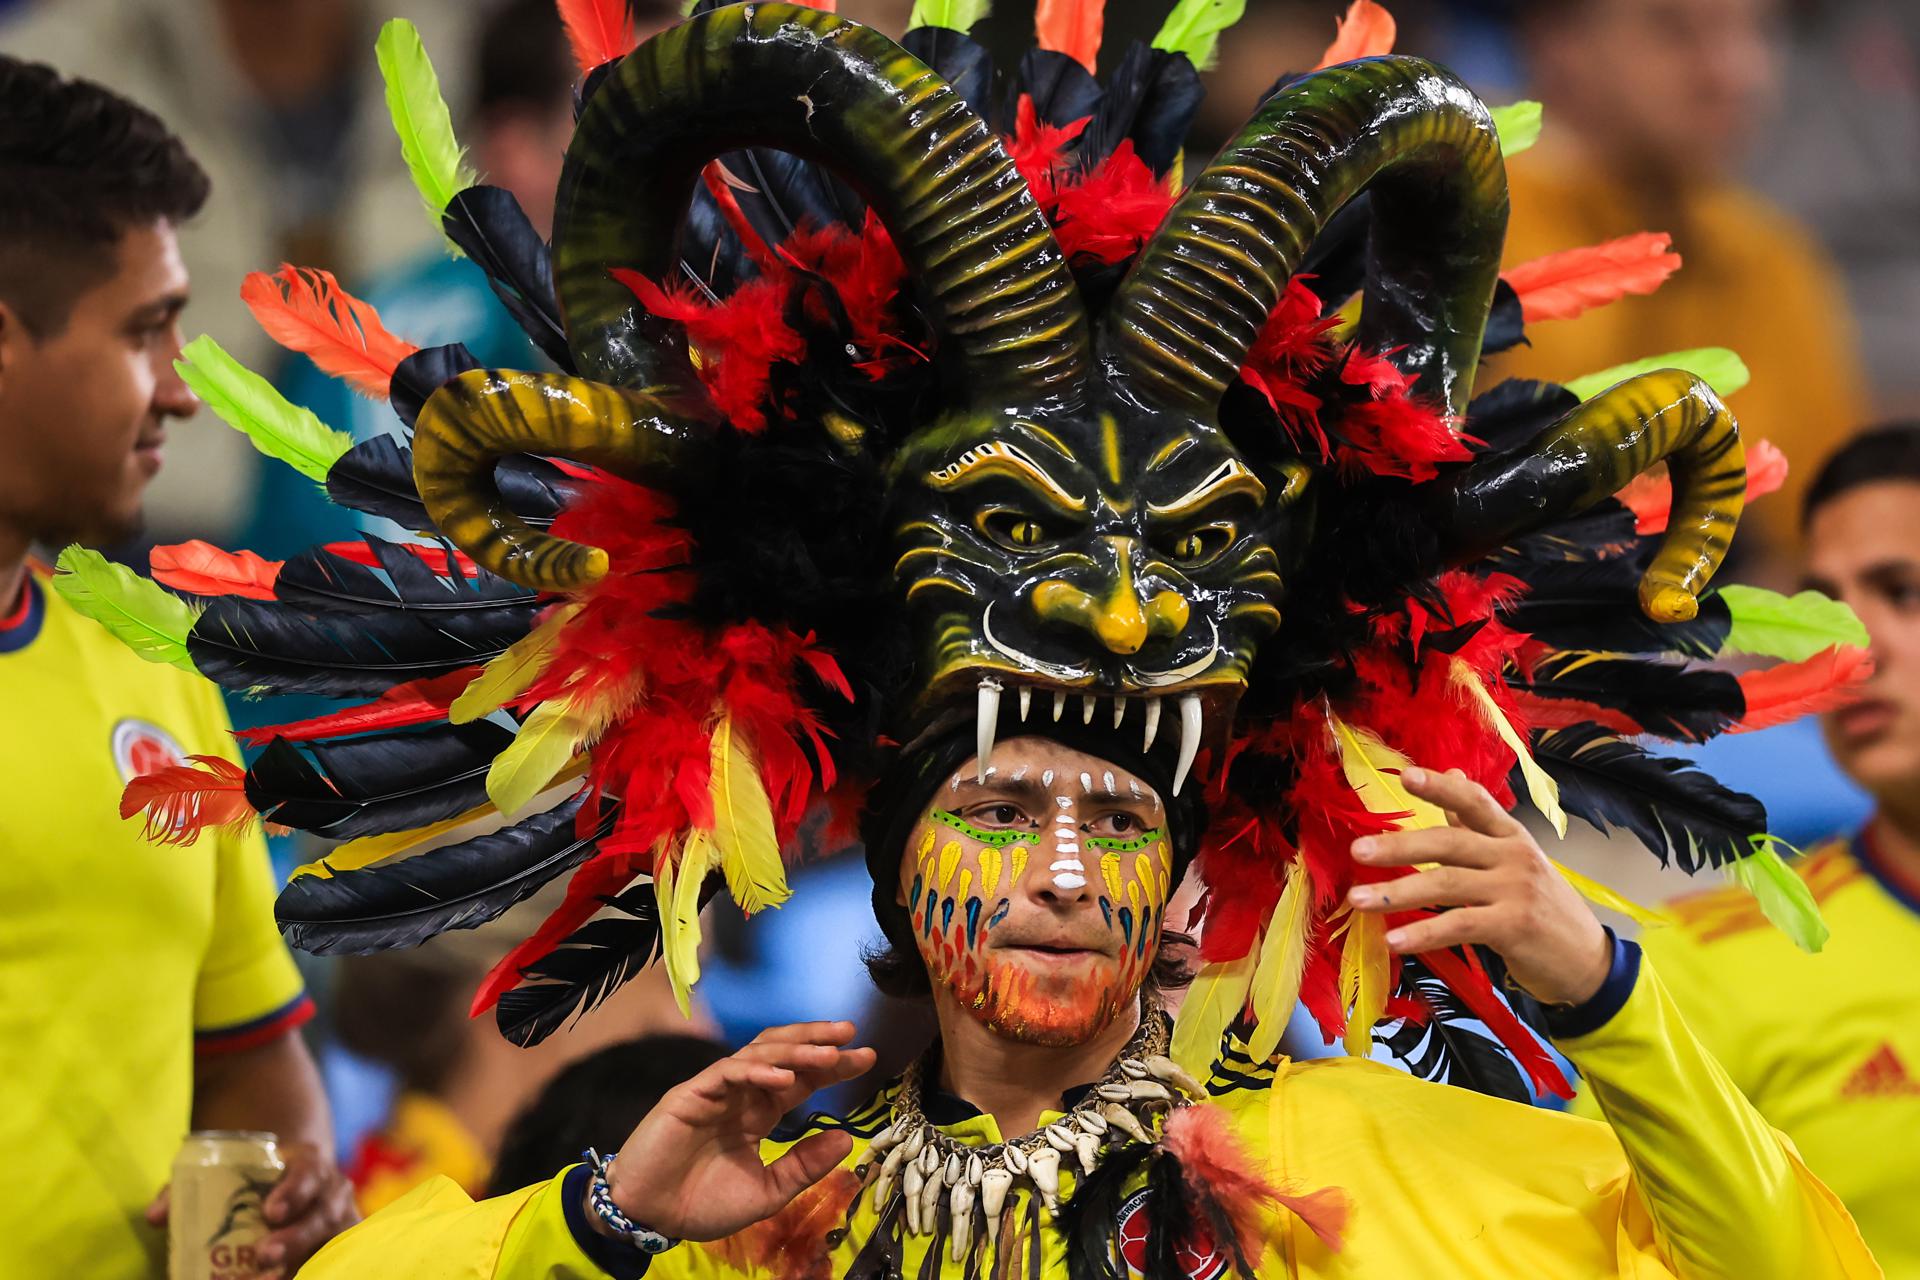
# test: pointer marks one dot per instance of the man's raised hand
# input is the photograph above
(1502, 890)
(692, 1168)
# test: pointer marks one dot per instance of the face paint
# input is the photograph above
(1041, 959)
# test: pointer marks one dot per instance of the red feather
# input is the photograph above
(1828, 680)
(1469, 981)
(1109, 213)
(404, 705)
(306, 310)
(1561, 285)
(435, 558)
(1072, 27)
(598, 30)
(202, 569)
(1215, 1164)
(182, 800)
(1367, 31)
(1566, 713)
(1650, 496)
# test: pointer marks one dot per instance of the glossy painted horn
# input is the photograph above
(484, 415)
(994, 282)
(1401, 129)
(1592, 452)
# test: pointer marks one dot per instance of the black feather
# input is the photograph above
(1514, 412)
(1595, 604)
(1675, 809)
(321, 580)
(492, 229)
(1151, 97)
(423, 373)
(1090, 1218)
(376, 477)
(376, 783)
(955, 57)
(1447, 1048)
(459, 886)
(264, 644)
(1506, 325)
(1062, 90)
(587, 966)
(1688, 704)
(711, 255)
(1337, 258)
(1603, 531)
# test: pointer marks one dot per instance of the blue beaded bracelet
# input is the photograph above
(600, 1200)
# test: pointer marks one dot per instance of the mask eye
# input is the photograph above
(1198, 546)
(1016, 532)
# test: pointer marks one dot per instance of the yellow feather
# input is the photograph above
(542, 748)
(1600, 895)
(676, 886)
(1019, 870)
(1283, 955)
(966, 886)
(1364, 979)
(367, 850)
(1143, 872)
(1214, 1000)
(669, 926)
(949, 861)
(743, 836)
(925, 857)
(512, 673)
(1365, 760)
(1110, 872)
(990, 872)
(1542, 789)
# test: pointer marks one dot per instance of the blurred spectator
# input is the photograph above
(596, 1102)
(1828, 1045)
(1843, 154)
(1649, 107)
(282, 102)
(459, 1081)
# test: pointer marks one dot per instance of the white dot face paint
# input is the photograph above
(1107, 778)
(1021, 772)
(1086, 782)
(1063, 802)
(1046, 779)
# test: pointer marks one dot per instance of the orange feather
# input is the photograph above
(182, 800)
(306, 310)
(1367, 31)
(1650, 496)
(598, 30)
(202, 569)
(1829, 679)
(1072, 27)
(1562, 285)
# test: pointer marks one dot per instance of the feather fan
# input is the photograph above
(588, 965)
(376, 783)
(306, 310)
(458, 886)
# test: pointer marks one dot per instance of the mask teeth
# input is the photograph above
(1026, 702)
(987, 716)
(1087, 704)
(1153, 724)
(1119, 710)
(1190, 726)
(1059, 703)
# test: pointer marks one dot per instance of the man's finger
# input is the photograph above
(157, 1211)
(807, 1161)
(1458, 794)
(1449, 846)
(807, 1033)
(797, 1055)
(1441, 887)
(1458, 928)
(297, 1189)
(851, 1064)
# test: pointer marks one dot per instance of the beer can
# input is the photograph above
(217, 1217)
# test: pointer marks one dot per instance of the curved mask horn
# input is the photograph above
(484, 415)
(999, 292)
(1399, 128)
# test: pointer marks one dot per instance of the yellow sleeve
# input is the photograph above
(249, 990)
(1728, 1194)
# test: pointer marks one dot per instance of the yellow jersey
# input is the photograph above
(1827, 1046)
(119, 959)
(1685, 1179)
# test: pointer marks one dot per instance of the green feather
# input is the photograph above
(1782, 895)
(1195, 26)
(140, 613)
(248, 403)
(1518, 125)
(420, 117)
(954, 15)
(1792, 628)
(1718, 367)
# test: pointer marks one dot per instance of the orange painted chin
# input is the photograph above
(1037, 999)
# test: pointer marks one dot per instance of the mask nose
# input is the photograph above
(1116, 612)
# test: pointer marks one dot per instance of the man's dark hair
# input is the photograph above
(1890, 452)
(80, 166)
(595, 1102)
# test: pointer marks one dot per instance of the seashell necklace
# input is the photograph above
(919, 1166)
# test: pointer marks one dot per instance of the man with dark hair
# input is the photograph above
(1828, 1046)
(146, 990)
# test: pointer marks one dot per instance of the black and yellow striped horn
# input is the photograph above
(1592, 452)
(484, 415)
(1405, 131)
(997, 287)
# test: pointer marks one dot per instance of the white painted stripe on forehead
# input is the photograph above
(1086, 782)
(1105, 777)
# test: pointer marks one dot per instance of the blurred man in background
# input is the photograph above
(1827, 1046)
(1649, 108)
(143, 990)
